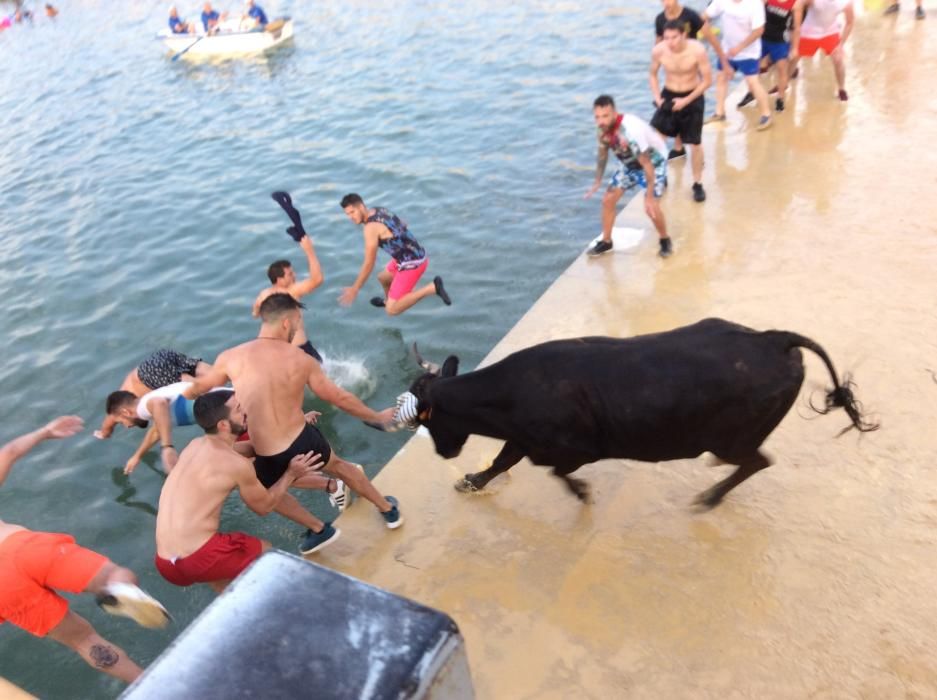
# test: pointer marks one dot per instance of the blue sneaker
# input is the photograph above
(314, 541)
(393, 518)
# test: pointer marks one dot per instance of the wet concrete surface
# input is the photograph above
(816, 578)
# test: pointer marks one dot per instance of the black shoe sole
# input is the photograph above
(441, 291)
(378, 302)
(699, 196)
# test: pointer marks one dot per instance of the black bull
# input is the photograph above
(713, 387)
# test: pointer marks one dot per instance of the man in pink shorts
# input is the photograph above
(387, 231)
(821, 29)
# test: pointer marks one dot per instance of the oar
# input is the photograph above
(176, 57)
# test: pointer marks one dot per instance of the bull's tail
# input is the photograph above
(841, 396)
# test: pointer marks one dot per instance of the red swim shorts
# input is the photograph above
(808, 47)
(32, 564)
(404, 280)
(221, 558)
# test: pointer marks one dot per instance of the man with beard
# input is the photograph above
(189, 547)
(270, 376)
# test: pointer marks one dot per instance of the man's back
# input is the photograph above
(269, 376)
(192, 497)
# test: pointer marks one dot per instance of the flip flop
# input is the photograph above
(441, 291)
(378, 302)
(128, 600)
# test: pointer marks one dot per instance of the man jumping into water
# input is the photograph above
(270, 375)
(34, 565)
(189, 547)
(283, 278)
(162, 368)
(643, 163)
(387, 231)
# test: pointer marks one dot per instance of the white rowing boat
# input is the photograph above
(229, 43)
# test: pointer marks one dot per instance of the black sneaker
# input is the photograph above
(314, 541)
(893, 9)
(392, 518)
(699, 194)
(666, 248)
(919, 13)
(779, 104)
(441, 291)
(675, 153)
(378, 302)
(599, 248)
(747, 100)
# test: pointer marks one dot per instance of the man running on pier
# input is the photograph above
(387, 231)
(680, 105)
(642, 163)
(34, 565)
(270, 375)
(189, 547)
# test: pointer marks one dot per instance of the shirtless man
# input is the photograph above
(270, 375)
(33, 565)
(680, 105)
(385, 230)
(283, 279)
(163, 367)
(189, 548)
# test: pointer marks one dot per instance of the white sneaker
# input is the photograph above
(342, 497)
(128, 600)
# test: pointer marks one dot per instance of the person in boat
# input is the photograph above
(256, 13)
(176, 24)
(50, 10)
(35, 566)
(211, 20)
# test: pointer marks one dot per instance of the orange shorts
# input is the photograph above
(32, 564)
(808, 47)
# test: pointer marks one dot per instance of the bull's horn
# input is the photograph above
(428, 366)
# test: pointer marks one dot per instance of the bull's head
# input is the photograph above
(415, 407)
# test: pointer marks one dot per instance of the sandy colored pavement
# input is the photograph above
(816, 578)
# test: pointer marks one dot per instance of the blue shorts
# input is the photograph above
(776, 50)
(746, 66)
(626, 178)
(183, 411)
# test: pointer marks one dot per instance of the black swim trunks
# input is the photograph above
(270, 469)
(311, 351)
(686, 123)
(165, 367)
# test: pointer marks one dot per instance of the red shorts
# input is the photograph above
(808, 47)
(32, 564)
(404, 280)
(221, 558)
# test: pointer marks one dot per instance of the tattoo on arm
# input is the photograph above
(601, 162)
(104, 656)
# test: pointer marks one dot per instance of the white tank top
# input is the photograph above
(823, 18)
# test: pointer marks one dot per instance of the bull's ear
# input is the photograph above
(450, 367)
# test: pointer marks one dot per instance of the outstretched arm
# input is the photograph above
(214, 377)
(150, 439)
(326, 390)
(315, 271)
(370, 255)
(163, 422)
(62, 427)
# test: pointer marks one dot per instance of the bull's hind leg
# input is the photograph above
(752, 464)
(509, 455)
(579, 487)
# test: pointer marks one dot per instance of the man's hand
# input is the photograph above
(592, 190)
(102, 435)
(312, 417)
(732, 53)
(658, 101)
(387, 415)
(131, 465)
(348, 296)
(649, 204)
(304, 464)
(63, 427)
(170, 457)
(680, 103)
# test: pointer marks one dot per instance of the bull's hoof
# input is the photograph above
(579, 488)
(708, 499)
(465, 486)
